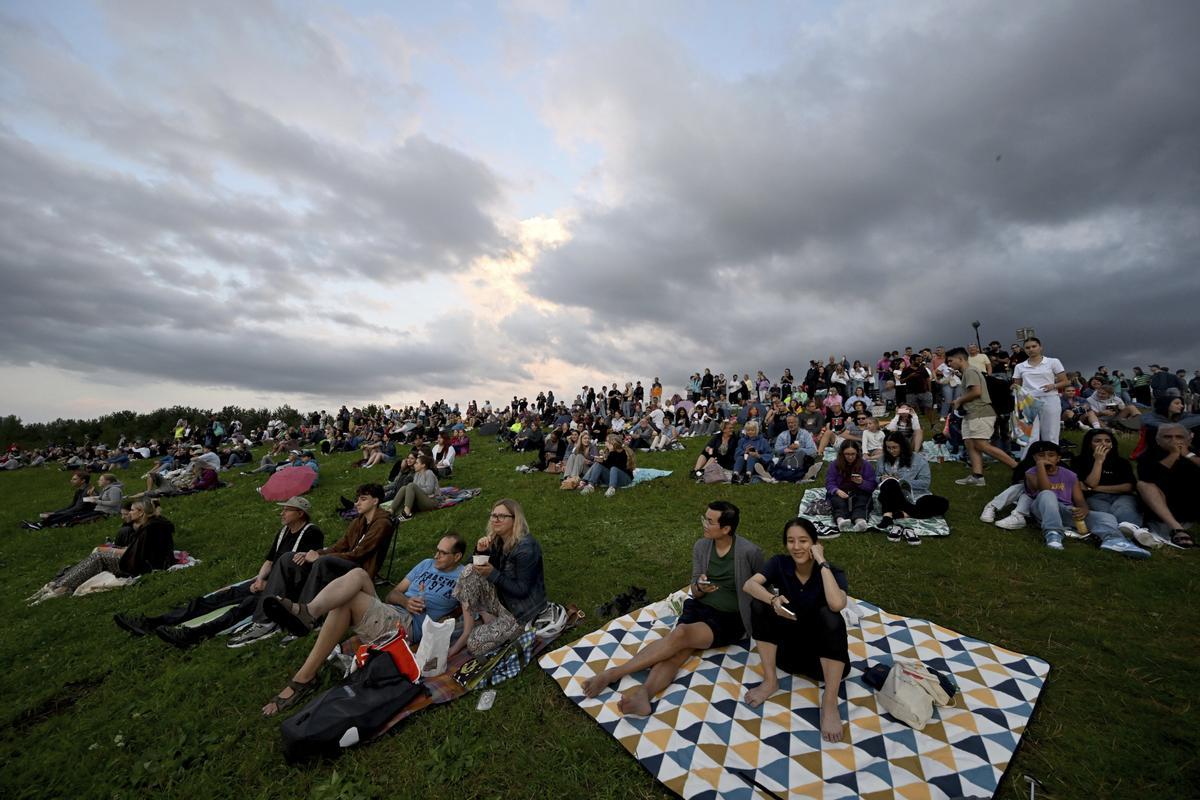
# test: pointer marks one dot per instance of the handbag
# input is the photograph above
(910, 692)
(714, 472)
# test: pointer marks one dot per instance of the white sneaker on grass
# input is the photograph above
(988, 514)
(972, 480)
(255, 633)
(844, 525)
(587, 489)
(1054, 540)
(1013, 522)
(612, 492)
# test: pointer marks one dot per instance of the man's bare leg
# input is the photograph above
(1156, 501)
(831, 716)
(340, 591)
(636, 702)
(693, 636)
(758, 695)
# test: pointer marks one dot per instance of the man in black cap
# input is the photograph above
(237, 602)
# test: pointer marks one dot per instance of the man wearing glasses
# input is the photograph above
(350, 602)
(717, 614)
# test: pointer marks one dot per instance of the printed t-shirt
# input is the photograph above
(1062, 483)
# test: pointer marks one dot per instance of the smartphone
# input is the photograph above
(791, 614)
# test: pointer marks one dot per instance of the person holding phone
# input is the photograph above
(849, 484)
(718, 613)
(798, 626)
(753, 456)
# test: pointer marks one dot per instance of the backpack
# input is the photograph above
(1000, 394)
(346, 715)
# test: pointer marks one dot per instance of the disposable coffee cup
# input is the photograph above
(481, 559)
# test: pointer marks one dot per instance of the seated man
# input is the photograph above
(351, 602)
(298, 534)
(1109, 408)
(795, 452)
(717, 613)
(301, 575)
(1169, 484)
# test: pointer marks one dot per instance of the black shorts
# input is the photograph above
(727, 627)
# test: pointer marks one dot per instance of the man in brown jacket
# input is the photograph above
(300, 576)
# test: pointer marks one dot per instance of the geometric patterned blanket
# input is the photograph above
(934, 526)
(702, 741)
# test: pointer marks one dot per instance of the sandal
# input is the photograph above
(292, 617)
(299, 692)
(1181, 538)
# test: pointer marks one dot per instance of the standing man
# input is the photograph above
(980, 420)
(717, 613)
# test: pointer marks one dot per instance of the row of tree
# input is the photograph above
(159, 424)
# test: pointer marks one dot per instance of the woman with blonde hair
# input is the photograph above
(614, 466)
(505, 587)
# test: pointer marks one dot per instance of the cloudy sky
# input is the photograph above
(254, 203)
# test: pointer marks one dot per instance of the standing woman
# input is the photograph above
(151, 546)
(904, 481)
(858, 377)
(1044, 378)
(797, 621)
(849, 484)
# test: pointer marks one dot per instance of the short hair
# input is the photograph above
(1170, 427)
(730, 514)
(1043, 446)
(751, 423)
(427, 460)
(370, 490)
(460, 544)
(957, 352)
(800, 522)
(83, 476)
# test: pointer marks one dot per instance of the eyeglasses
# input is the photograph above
(442, 552)
(706, 522)
(498, 517)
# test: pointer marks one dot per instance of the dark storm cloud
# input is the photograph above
(1030, 165)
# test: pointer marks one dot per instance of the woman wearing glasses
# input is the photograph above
(506, 590)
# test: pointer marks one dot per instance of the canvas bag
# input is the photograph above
(910, 692)
(714, 472)
(434, 650)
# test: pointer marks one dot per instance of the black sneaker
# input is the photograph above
(33, 526)
(894, 534)
(177, 635)
(133, 623)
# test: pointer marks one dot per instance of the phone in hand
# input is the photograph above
(791, 614)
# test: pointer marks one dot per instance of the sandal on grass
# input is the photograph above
(299, 692)
(292, 617)
(1181, 538)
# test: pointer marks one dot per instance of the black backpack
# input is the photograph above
(1000, 392)
(348, 714)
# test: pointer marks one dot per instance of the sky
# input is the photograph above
(255, 203)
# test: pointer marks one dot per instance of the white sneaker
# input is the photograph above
(861, 525)
(1013, 522)
(1054, 540)
(845, 525)
(1144, 536)
(612, 492)
(587, 489)
(1127, 528)
(255, 633)
(988, 514)
(972, 480)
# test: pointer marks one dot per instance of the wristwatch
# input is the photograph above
(823, 565)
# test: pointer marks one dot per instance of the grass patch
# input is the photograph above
(89, 711)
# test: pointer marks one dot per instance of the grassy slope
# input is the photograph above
(1116, 719)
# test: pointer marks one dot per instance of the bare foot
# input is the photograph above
(831, 725)
(635, 704)
(758, 695)
(596, 684)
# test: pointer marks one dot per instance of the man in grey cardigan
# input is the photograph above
(717, 613)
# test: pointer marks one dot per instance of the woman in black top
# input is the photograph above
(722, 448)
(614, 466)
(1108, 482)
(798, 623)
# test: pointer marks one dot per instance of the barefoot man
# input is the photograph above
(717, 613)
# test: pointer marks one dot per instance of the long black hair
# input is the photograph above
(906, 451)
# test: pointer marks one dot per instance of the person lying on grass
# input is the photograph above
(351, 602)
(297, 535)
(798, 626)
(152, 546)
(717, 613)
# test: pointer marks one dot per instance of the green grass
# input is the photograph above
(87, 710)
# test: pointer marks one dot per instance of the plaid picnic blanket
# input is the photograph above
(815, 506)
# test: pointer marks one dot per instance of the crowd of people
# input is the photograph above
(874, 428)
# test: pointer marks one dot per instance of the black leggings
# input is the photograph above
(893, 501)
(815, 634)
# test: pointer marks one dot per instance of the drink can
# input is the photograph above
(486, 700)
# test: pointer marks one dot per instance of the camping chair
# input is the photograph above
(388, 545)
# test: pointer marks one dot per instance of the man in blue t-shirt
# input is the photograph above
(428, 588)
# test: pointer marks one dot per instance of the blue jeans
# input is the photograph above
(949, 394)
(1055, 516)
(745, 463)
(1122, 507)
(598, 475)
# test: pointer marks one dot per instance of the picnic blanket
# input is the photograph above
(701, 730)
(814, 506)
(645, 475)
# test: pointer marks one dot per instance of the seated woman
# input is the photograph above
(419, 494)
(906, 423)
(904, 481)
(1109, 485)
(614, 466)
(722, 449)
(667, 435)
(849, 484)
(552, 453)
(797, 620)
(753, 456)
(580, 456)
(81, 484)
(1167, 409)
(444, 453)
(151, 547)
(509, 590)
